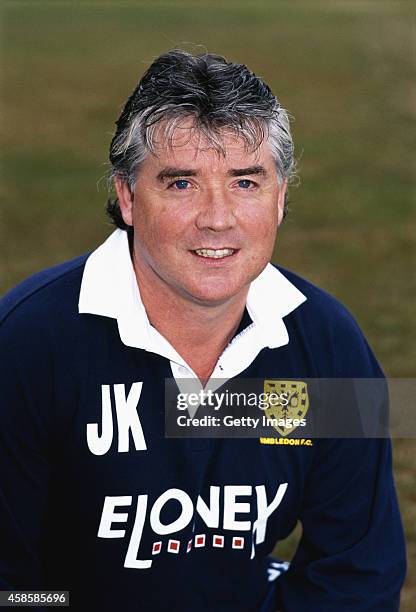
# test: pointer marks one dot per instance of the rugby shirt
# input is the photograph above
(95, 499)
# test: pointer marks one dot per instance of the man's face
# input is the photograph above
(204, 223)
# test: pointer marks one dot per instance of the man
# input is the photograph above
(93, 497)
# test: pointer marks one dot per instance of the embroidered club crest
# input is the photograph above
(292, 405)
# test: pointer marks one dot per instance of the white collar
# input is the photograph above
(109, 288)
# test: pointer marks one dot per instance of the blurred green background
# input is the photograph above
(345, 69)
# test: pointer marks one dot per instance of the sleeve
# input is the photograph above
(351, 556)
(25, 400)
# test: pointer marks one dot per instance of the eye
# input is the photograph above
(180, 184)
(245, 184)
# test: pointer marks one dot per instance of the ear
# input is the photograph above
(125, 199)
(281, 201)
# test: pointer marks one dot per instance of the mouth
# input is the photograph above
(215, 253)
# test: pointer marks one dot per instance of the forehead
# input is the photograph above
(184, 142)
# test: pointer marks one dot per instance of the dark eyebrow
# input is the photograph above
(169, 173)
(250, 170)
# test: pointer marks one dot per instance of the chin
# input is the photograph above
(214, 296)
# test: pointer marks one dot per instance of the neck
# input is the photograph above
(198, 332)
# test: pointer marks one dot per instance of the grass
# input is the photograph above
(345, 71)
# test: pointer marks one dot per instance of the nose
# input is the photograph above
(216, 213)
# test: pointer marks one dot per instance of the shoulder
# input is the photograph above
(320, 306)
(329, 332)
(43, 297)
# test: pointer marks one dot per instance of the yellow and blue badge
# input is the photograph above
(287, 404)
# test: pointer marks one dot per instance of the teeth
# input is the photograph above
(215, 253)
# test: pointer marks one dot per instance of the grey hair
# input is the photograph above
(216, 95)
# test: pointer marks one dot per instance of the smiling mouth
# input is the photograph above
(215, 253)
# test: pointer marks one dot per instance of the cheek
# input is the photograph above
(263, 224)
(157, 230)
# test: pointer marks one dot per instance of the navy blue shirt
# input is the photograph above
(151, 523)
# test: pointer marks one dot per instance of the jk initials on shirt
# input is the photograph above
(127, 421)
